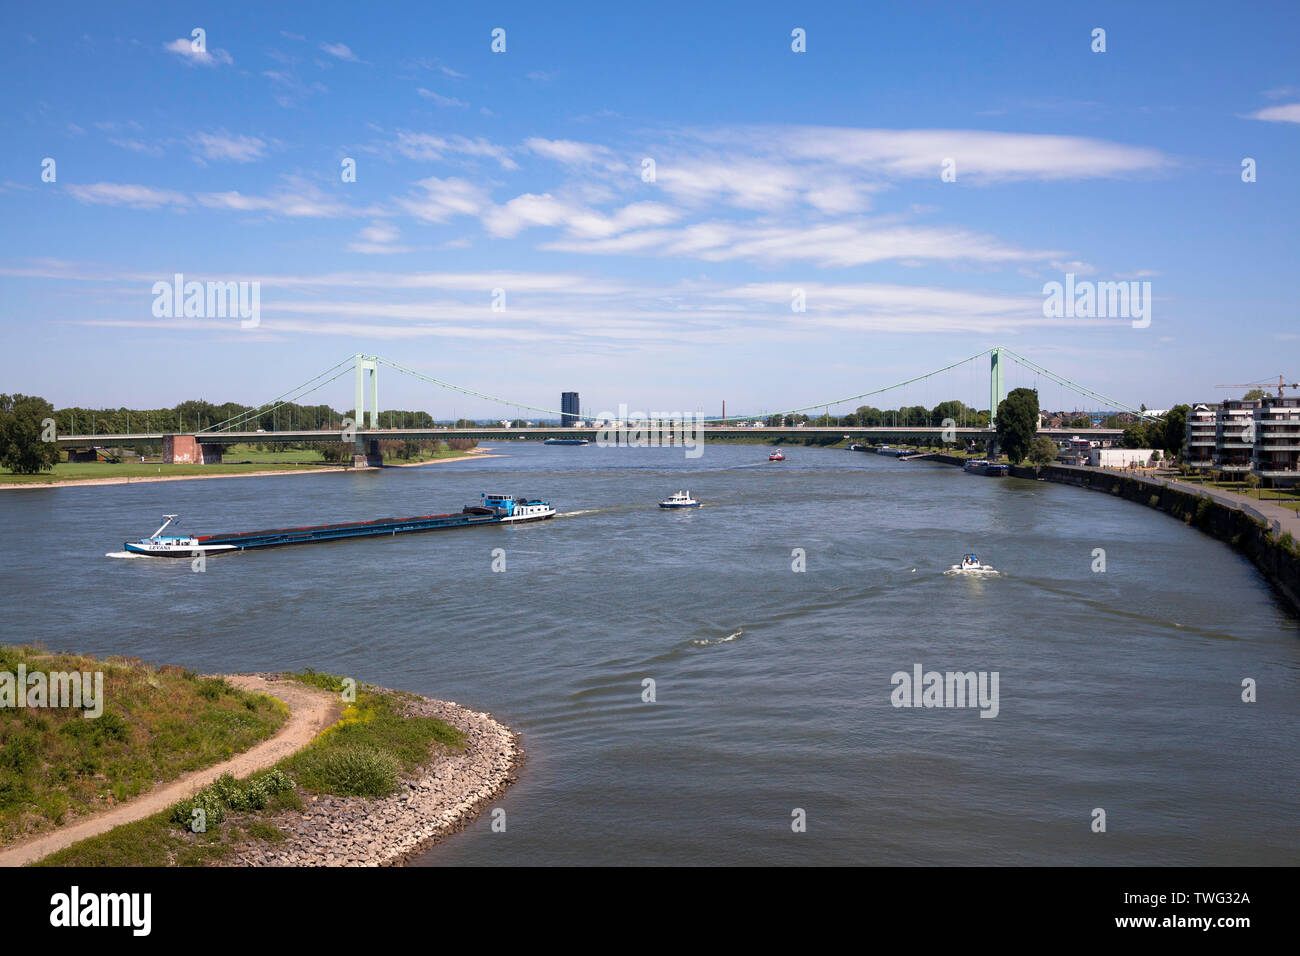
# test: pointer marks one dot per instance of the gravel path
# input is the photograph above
(310, 711)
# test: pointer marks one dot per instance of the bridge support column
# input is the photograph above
(367, 454)
(997, 388)
(186, 450)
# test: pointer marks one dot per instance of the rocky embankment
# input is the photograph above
(440, 798)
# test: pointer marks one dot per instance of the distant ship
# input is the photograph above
(495, 509)
(566, 441)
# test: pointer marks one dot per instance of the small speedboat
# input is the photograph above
(682, 499)
(776, 456)
(970, 564)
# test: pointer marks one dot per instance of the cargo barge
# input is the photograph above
(494, 509)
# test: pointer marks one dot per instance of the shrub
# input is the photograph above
(358, 770)
(1203, 511)
(211, 688)
(227, 793)
(205, 800)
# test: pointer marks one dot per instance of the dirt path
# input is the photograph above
(310, 711)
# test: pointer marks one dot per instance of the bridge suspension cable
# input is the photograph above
(282, 399)
(1073, 386)
(345, 367)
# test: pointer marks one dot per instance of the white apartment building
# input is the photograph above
(1239, 437)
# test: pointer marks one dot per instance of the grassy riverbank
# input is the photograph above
(143, 471)
(364, 754)
(157, 723)
(250, 462)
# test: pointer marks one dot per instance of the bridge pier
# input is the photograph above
(366, 454)
(186, 450)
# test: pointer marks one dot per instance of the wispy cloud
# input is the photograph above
(441, 100)
(127, 194)
(1286, 113)
(340, 51)
(224, 146)
(378, 239)
(184, 48)
(427, 146)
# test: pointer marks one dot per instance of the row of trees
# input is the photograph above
(914, 416)
(196, 415)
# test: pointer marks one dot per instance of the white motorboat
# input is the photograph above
(682, 499)
(970, 564)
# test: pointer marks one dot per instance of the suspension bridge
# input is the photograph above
(365, 431)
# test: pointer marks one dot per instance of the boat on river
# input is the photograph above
(970, 564)
(776, 456)
(682, 499)
(493, 509)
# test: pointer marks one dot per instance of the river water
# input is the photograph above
(1117, 689)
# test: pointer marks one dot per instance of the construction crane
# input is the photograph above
(1280, 385)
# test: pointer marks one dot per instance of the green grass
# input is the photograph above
(1284, 497)
(77, 471)
(373, 731)
(157, 723)
(272, 454)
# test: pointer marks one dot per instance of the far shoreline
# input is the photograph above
(145, 479)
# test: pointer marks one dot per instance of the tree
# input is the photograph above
(1042, 451)
(22, 430)
(1174, 428)
(1135, 436)
(1253, 394)
(1018, 423)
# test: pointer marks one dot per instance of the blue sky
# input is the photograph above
(523, 170)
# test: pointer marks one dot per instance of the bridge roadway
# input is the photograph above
(902, 434)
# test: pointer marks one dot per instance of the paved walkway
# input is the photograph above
(1279, 519)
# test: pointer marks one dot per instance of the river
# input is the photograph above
(1117, 689)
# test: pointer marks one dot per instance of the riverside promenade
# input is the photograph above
(1280, 520)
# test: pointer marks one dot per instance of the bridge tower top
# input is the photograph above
(367, 363)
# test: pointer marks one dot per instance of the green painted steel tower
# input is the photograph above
(997, 389)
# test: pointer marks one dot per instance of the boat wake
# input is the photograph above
(721, 640)
(976, 572)
(124, 554)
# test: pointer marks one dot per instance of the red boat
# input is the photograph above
(776, 456)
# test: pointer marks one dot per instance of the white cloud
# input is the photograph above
(138, 146)
(1287, 113)
(444, 199)
(295, 199)
(426, 146)
(379, 238)
(441, 100)
(184, 48)
(827, 245)
(572, 153)
(340, 50)
(127, 194)
(223, 146)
